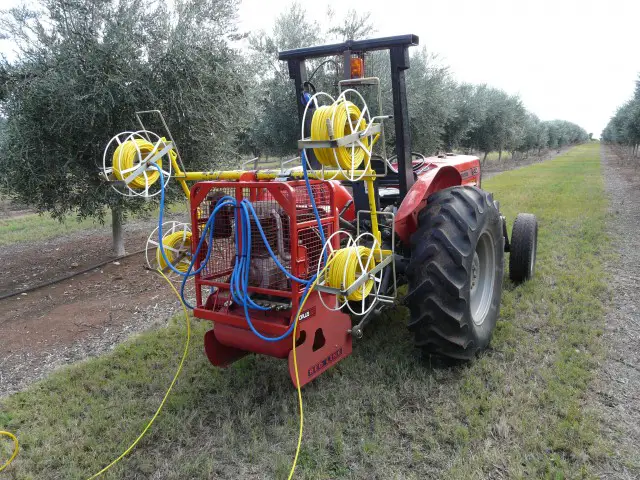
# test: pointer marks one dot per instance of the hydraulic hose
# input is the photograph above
(239, 285)
(16, 448)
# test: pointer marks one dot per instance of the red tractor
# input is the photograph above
(339, 233)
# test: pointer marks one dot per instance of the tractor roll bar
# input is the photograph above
(398, 47)
(368, 45)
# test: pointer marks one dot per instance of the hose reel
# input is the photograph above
(342, 134)
(176, 240)
(128, 163)
(354, 273)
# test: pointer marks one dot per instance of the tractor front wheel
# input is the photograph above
(524, 244)
(455, 273)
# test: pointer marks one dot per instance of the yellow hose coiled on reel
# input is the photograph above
(344, 114)
(345, 270)
(126, 155)
(176, 241)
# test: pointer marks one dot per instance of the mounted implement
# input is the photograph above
(318, 250)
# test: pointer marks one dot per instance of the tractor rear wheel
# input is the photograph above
(455, 273)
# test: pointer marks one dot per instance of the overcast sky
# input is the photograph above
(568, 59)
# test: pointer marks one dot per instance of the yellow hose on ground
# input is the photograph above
(180, 241)
(346, 120)
(16, 448)
(295, 362)
(166, 395)
(345, 270)
(164, 399)
(126, 157)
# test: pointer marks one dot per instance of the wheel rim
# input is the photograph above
(483, 271)
(532, 260)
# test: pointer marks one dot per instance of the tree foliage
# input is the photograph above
(444, 115)
(83, 68)
(275, 128)
(624, 126)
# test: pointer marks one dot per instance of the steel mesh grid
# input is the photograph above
(310, 239)
(276, 226)
(222, 255)
(304, 208)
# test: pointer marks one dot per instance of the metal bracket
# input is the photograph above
(146, 162)
(370, 275)
(345, 141)
(166, 127)
(391, 220)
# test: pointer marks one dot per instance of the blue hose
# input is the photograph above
(303, 158)
(239, 282)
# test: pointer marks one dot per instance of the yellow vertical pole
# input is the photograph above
(372, 206)
(178, 172)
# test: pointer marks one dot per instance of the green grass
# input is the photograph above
(517, 412)
(33, 228)
(492, 157)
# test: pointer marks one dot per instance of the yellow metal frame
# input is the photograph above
(368, 177)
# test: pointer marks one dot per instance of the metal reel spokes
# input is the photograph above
(315, 102)
(176, 240)
(348, 130)
(350, 277)
(131, 160)
(361, 149)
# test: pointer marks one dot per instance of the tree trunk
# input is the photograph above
(499, 155)
(116, 228)
(485, 158)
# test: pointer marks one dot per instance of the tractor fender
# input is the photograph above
(406, 220)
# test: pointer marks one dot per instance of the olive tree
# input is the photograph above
(81, 71)
(624, 126)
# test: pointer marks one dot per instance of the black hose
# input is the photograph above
(347, 225)
(66, 277)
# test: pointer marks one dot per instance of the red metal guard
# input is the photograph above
(287, 219)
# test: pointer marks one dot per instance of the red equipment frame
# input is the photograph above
(292, 230)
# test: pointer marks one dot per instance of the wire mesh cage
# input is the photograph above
(289, 229)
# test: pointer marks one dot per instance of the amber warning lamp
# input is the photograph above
(357, 67)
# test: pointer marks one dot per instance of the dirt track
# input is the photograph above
(617, 391)
(79, 317)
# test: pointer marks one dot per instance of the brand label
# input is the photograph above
(472, 172)
(325, 363)
(307, 314)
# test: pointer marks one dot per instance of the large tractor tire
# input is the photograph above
(455, 274)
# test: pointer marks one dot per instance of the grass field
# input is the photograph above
(33, 227)
(516, 412)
